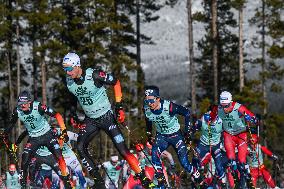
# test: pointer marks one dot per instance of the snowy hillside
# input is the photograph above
(166, 63)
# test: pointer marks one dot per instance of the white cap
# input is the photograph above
(71, 59)
(225, 97)
(114, 158)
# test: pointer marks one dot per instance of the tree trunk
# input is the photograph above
(241, 56)
(215, 49)
(43, 81)
(140, 74)
(191, 57)
(11, 90)
(35, 90)
(18, 128)
(263, 70)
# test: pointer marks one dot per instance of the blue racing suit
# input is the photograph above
(168, 132)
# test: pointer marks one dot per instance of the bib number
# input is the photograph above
(230, 124)
(32, 125)
(86, 101)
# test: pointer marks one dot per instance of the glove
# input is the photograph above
(196, 176)
(188, 137)
(274, 157)
(119, 112)
(150, 138)
(207, 117)
(13, 148)
(64, 136)
(247, 118)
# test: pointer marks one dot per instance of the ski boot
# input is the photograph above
(146, 183)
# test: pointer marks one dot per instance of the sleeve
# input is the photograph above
(72, 136)
(21, 137)
(149, 126)
(183, 111)
(169, 156)
(266, 151)
(12, 121)
(100, 78)
(43, 109)
(243, 111)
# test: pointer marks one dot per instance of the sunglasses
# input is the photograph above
(226, 105)
(150, 101)
(68, 69)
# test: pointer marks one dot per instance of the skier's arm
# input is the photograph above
(266, 151)
(149, 126)
(169, 156)
(21, 137)
(43, 109)
(12, 121)
(244, 111)
(183, 111)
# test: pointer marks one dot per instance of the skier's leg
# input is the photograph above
(254, 175)
(159, 146)
(267, 177)
(203, 154)
(180, 147)
(119, 143)
(76, 167)
(217, 156)
(28, 153)
(86, 135)
(242, 147)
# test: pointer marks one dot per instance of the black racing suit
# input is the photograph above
(107, 123)
(48, 139)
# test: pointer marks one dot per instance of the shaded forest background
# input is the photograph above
(35, 35)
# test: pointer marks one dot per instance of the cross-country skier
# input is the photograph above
(113, 170)
(44, 156)
(89, 88)
(209, 146)
(12, 178)
(32, 114)
(255, 160)
(235, 131)
(162, 113)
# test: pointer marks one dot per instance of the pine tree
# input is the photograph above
(267, 19)
(226, 42)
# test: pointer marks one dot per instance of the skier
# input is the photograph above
(88, 86)
(44, 158)
(32, 114)
(235, 131)
(162, 113)
(113, 169)
(255, 159)
(12, 178)
(209, 146)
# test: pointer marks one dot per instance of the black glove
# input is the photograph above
(188, 137)
(274, 157)
(64, 136)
